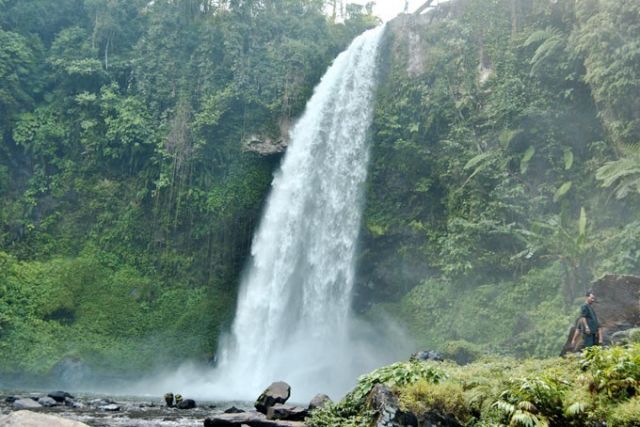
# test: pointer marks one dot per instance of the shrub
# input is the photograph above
(615, 371)
(445, 398)
(462, 352)
(626, 414)
(532, 401)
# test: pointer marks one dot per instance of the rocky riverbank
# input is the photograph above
(103, 411)
(62, 409)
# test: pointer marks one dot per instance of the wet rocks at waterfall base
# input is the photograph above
(277, 392)
(94, 410)
(271, 411)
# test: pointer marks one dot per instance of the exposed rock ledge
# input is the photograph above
(265, 145)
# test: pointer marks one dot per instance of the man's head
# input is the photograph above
(590, 297)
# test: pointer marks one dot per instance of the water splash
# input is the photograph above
(292, 319)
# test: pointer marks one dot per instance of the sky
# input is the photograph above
(388, 9)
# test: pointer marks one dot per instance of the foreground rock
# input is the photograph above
(277, 392)
(251, 419)
(33, 419)
(26, 404)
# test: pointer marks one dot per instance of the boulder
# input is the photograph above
(427, 355)
(47, 402)
(112, 407)
(233, 410)
(278, 392)
(627, 336)
(186, 404)
(386, 406)
(26, 404)
(280, 411)
(319, 401)
(34, 419)
(251, 419)
(617, 299)
(617, 306)
(59, 396)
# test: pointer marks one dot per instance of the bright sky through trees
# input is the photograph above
(388, 9)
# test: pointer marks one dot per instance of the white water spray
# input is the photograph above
(292, 319)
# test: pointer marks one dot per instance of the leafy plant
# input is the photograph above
(615, 371)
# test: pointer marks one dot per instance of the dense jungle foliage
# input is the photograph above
(598, 388)
(504, 170)
(127, 203)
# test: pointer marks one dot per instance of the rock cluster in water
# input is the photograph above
(271, 410)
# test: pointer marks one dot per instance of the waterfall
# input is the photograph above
(293, 314)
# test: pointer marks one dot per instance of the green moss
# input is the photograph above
(446, 399)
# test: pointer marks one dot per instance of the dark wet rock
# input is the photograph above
(112, 407)
(278, 392)
(75, 404)
(26, 404)
(168, 400)
(319, 401)
(186, 404)
(434, 419)
(11, 399)
(33, 419)
(251, 419)
(280, 411)
(386, 406)
(47, 402)
(69, 402)
(234, 410)
(59, 396)
(427, 355)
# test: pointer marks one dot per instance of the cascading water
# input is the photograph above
(293, 310)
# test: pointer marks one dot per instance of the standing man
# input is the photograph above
(588, 323)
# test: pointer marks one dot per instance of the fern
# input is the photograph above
(576, 408)
(550, 41)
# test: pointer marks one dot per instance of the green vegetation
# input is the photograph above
(504, 174)
(127, 205)
(600, 386)
(503, 177)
